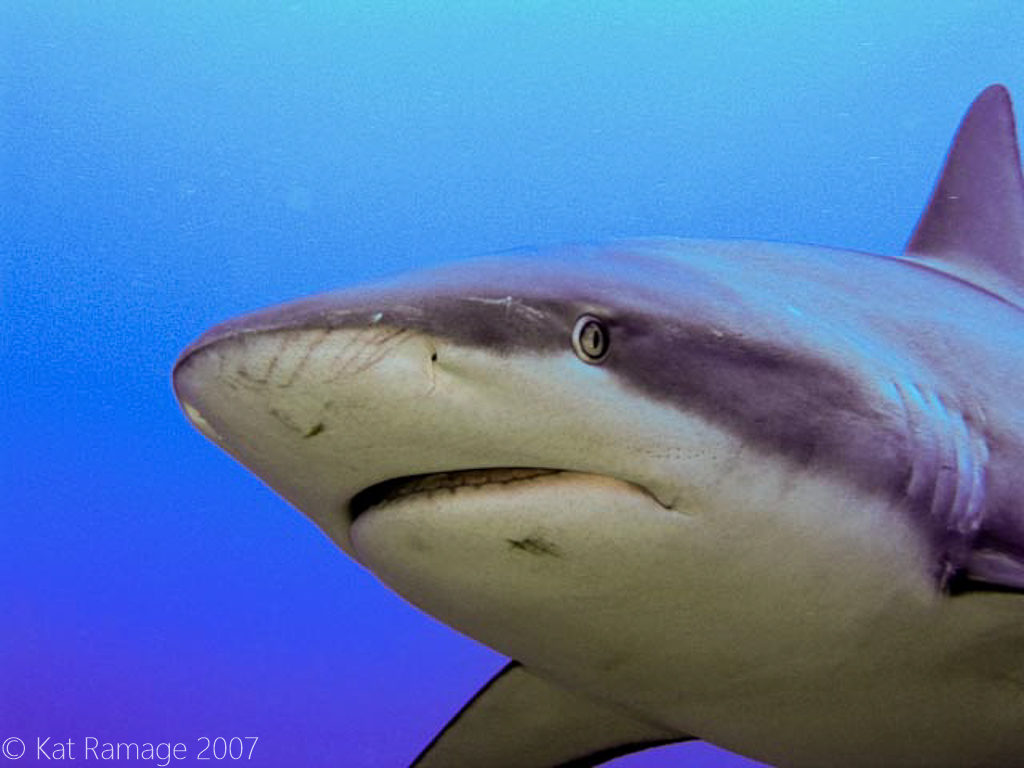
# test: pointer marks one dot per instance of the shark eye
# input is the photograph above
(590, 339)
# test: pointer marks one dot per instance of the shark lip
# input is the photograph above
(450, 482)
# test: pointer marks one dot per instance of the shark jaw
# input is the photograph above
(444, 486)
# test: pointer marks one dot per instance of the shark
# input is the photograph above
(766, 495)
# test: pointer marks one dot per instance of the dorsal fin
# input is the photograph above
(974, 222)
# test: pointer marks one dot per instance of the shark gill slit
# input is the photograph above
(946, 488)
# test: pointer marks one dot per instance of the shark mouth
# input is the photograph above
(440, 482)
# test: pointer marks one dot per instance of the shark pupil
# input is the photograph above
(590, 339)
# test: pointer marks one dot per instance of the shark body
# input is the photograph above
(765, 495)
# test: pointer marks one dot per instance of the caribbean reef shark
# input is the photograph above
(770, 496)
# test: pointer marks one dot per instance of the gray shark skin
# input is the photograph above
(760, 494)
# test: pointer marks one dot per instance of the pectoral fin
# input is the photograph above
(518, 720)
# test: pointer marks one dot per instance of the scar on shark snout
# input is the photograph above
(315, 430)
(535, 545)
(289, 422)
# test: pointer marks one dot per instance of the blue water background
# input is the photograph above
(166, 165)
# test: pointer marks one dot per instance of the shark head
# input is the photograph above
(505, 369)
(626, 366)
(692, 440)
(489, 436)
(512, 372)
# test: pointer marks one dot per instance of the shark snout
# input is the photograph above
(298, 375)
(305, 407)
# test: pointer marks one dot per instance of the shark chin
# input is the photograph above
(499, 554)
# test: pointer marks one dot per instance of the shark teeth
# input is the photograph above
(401, 487)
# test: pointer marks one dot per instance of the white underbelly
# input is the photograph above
(783, 616)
